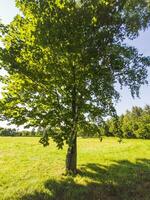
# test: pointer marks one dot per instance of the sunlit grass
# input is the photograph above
(107, 170)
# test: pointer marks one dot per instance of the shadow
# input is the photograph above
(122, 180)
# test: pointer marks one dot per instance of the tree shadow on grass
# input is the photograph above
(122, 180)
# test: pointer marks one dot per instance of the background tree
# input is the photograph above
(63, 60)
(133, 124)
(7, 132)
(127, 125)
(143, 124)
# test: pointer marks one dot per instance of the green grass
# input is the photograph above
(108, 170)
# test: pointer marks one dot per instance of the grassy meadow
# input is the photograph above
(108, 170)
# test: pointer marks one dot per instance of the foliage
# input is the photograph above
(14, 132)
(7, 132)
(133, 124)
(63, 60)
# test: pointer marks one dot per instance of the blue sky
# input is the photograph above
(142, 43)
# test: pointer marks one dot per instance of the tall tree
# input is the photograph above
(63, 59)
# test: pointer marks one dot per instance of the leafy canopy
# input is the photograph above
(65, 52)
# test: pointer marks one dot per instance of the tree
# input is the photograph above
(7, 132)
(143, 130)
(63, 60)
(133, 124)
(128, 125)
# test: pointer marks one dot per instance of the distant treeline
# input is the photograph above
(133, 124)
(14, 132)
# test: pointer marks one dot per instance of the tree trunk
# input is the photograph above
(71, 158)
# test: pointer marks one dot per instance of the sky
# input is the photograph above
(142, 43)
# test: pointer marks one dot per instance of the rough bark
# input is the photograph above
(71, 158)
